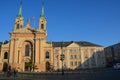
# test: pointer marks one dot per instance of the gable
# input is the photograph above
(23, 30)
(73, 45)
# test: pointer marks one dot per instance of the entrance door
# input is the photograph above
(47, 66)
(26, 66)
(5, 67)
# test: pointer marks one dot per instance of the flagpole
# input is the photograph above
(33, 19)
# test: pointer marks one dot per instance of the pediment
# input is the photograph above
(25, 30)
(5, 45)
(73, 45)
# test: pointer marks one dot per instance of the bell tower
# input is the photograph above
(42, 20)
(19, 21)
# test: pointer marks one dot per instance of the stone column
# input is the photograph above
(15, 50)
(37, 45)
(11, 51)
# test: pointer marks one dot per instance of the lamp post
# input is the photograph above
(62, 57)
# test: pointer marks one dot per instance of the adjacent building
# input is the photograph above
(27, 43)
(112, 54)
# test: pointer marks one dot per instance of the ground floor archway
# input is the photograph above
(47, 66)
(26, 66)
(5, 67)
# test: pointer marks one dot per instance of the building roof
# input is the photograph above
(117, 44)
(80, 43)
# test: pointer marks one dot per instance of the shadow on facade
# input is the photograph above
(96, 61)
(112, 55)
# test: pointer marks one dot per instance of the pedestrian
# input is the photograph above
(5, 68)
(9, 71)
(14, 72)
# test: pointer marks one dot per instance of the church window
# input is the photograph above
(42, 26)
(47, 55)
(5, 55)
(17, 26)
(27, 50)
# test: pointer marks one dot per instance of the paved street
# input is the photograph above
(107, 75)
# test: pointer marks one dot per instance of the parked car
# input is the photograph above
(117, 66)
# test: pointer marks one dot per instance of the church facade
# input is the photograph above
(27, 43)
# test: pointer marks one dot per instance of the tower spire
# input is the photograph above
(20, 10)
(42, 20)
(19, 21)
(42, 13)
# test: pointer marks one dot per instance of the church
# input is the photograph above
(29, 44)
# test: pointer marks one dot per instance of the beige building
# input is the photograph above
(30, 43)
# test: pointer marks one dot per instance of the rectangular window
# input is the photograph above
(78, 50)
(103, 61)
(64, 64)
(75, 63)
(47, 55)
(71, 63)
(93, 56)
(98, 55)
(74, 50)
(70, 50)
(93, 61)
(79, 63)
(99, 61)
(56, 50)
(63, 50)
(56, 63)
(86, 63)
(75, 56)
(56, 56)
(86, 55)
(79, 56)
(71, 56)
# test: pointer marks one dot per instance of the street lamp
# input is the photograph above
(62, 57)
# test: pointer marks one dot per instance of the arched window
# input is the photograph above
(27, 50)
(47, 55)
(17, 26)
(5, 55)
(42, 26)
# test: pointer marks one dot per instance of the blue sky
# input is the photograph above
(96, 21)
